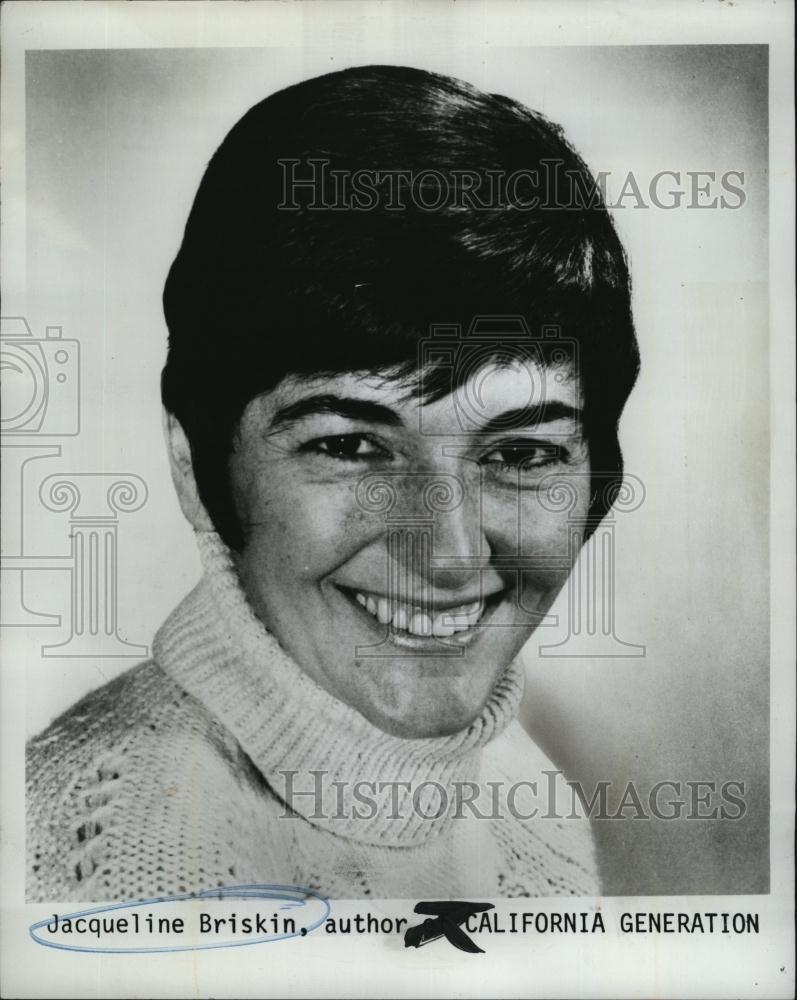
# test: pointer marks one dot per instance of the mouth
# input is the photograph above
(410, 625)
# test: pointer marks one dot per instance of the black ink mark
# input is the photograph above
(447, 916)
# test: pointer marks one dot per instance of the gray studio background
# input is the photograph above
(116, 144)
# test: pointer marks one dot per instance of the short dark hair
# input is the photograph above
(266, 283)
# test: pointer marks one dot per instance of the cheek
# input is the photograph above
(296, 531)
(550, 539)
(529, 525)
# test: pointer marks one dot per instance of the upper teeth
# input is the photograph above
(414, 620)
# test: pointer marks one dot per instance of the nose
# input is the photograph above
(459, 544)
(439, 539)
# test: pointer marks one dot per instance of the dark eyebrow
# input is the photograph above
(529, 416)
(343, 406)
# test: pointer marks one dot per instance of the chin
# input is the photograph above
(427, 729)
(437, 707)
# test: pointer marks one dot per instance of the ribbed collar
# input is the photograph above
(215, 647)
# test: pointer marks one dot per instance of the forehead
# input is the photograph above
(493, 389)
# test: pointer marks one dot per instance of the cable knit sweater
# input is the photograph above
(172, 778)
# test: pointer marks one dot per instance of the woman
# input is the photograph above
(374, 470)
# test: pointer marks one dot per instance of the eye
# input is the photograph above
(523, 455)
(346, 447)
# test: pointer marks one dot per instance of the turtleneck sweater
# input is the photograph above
(220, 762)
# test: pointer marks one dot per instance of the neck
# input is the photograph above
(312, 748)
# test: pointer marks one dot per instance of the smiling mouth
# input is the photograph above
(410, 621)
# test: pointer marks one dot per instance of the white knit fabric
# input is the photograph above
(171, 779)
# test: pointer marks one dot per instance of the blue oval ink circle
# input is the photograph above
(295, 894)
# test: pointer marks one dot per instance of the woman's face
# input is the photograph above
(403, 552)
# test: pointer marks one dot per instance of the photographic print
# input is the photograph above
(397, 499)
